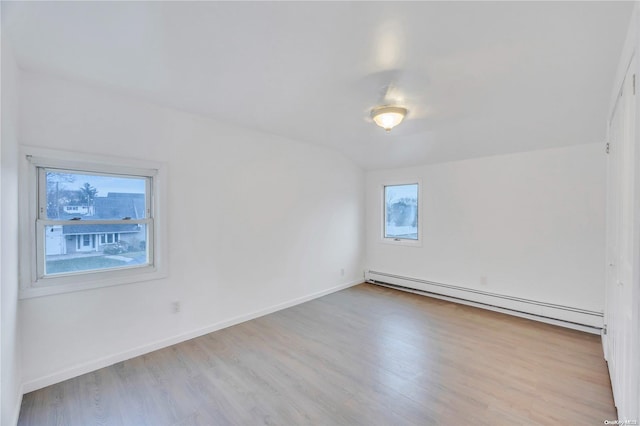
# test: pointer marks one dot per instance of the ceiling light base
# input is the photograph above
(388, 116)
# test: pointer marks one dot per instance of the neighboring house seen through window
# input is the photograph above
(401, 212)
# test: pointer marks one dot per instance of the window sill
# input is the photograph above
(68, 284)
(401, 242)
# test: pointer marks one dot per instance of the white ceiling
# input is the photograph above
(478, 78)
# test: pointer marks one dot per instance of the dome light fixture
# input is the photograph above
(388, 116)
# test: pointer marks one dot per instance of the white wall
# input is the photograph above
(255, 221)
(532, 224)
(10, 390)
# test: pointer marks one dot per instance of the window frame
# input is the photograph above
(33, 282)
(383, 215)
(85, 241)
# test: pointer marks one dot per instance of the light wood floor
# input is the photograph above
(367, 355)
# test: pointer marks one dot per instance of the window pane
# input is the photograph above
(401, 211)
(73, 248)
(72, 195)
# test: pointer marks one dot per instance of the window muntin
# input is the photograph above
(92, 222)
(401, 212)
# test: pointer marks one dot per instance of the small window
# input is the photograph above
(401, 213)
(95, 225)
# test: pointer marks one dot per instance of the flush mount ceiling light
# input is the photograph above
(388, 116)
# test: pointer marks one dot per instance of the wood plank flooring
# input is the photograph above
(367, 355)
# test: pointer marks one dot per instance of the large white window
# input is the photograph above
(90, 224)
(401, 213)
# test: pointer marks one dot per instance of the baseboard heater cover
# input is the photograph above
(543, 310)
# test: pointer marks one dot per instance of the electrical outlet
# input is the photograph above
(483, 281)
(176, 307)
(342, 272)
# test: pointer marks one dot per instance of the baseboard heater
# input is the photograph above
(572, 317)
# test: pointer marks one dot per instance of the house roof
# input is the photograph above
(100, 229)
(116, 205)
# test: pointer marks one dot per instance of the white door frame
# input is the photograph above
(622, 292)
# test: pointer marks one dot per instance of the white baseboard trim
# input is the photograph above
(106, 361)
(565, 316)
